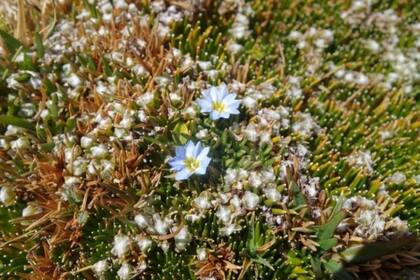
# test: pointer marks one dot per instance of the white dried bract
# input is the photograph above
(121, 245)
(7, 196)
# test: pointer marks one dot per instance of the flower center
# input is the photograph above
(218, 106)
(191, 163)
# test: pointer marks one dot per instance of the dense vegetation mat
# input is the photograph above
(209, 139)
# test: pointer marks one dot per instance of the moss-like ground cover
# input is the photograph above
(209, 139)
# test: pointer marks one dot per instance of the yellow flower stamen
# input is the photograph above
(218, 106)
(191, 164)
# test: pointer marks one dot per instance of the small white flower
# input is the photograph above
(27, 110)
(302, 44)
(79, 166)
(265, 137)
(236, 202)
(140, 71)
(371, 224)
(398, 225)
(362, 159)
(121, 4)
(361, 79)
(218, 102)
(189, 159)
(164, 246)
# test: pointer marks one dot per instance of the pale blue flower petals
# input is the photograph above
(190, 159)
(218, 102)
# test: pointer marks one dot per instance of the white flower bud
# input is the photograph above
(144, 244)
(145, 99)
(86, 141)
(139, 70)
(7, 196)
(20, 143)
(249, 102)
(99, 152)
(189, 112)
(160, 226)
(100, 267)
(73, 80)
(31, 210)
(250, 200)
(4, 144)
(203, 133)
(251, 133)
(182, 238)
(204, 65)
(223, 213)
(272, 194)
(125, 271)
(373, 46)
(141, 221)
(201, 254)
(79, 167)
(202, 201)
(121, 245)
(255, 180)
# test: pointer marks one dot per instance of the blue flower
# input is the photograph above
(189, 159)
(218, 102)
